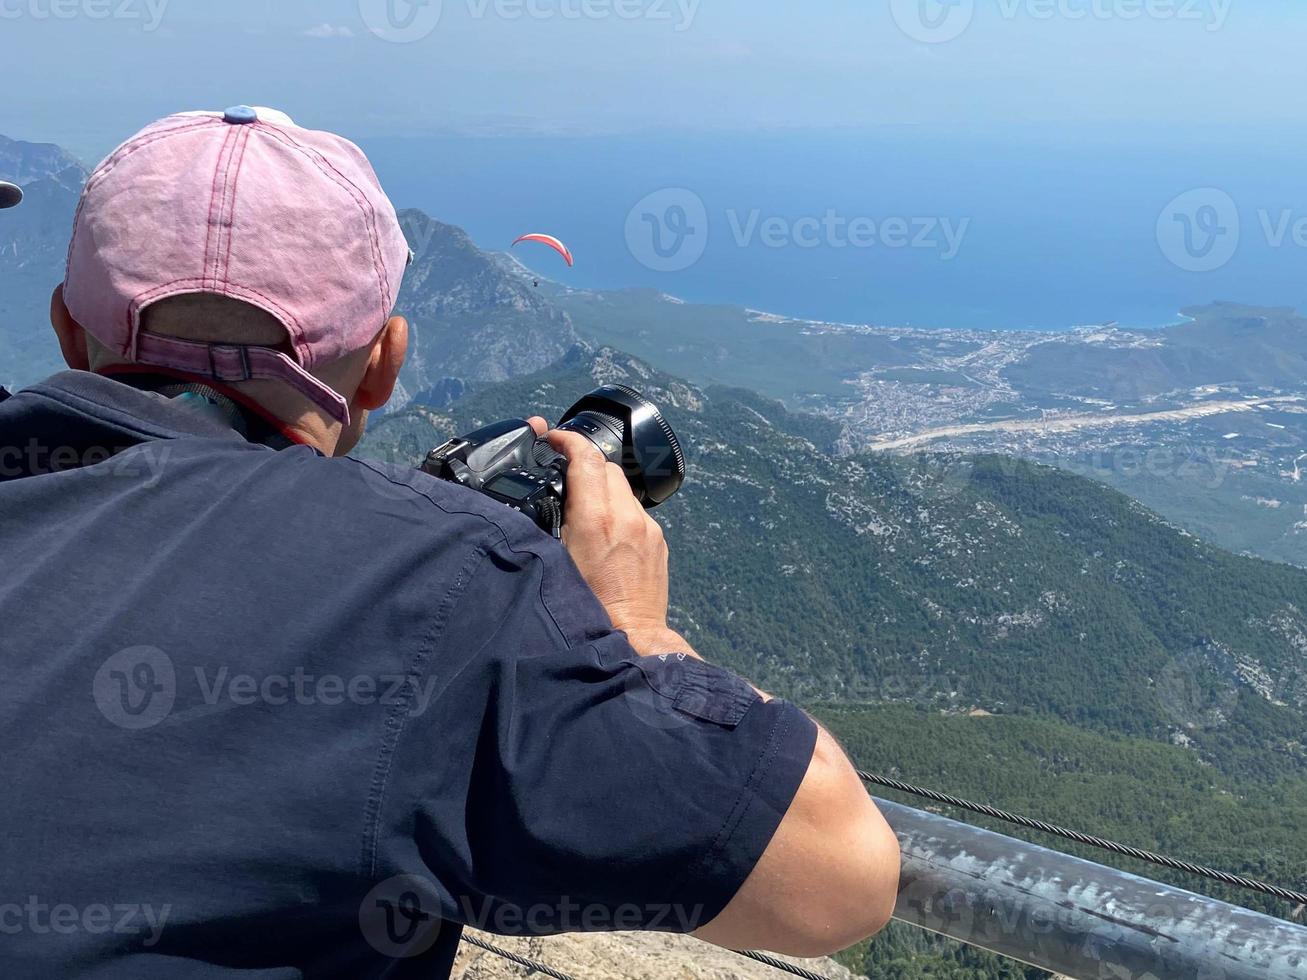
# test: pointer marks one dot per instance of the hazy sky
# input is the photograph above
(86, 73)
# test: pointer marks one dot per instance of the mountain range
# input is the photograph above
(33, 248)
(24, 163)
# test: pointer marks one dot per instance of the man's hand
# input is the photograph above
(618, 547)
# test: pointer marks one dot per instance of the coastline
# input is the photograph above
(755, 314)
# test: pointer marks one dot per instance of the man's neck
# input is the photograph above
(246, 416)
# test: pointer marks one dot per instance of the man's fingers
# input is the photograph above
(577, 448)
(630, 515)
(587, 481)
(538, 424)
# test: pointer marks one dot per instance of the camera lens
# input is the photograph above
(11, 195)
(631, 432)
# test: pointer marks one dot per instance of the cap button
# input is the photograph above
(240, 115)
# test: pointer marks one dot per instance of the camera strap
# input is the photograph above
(551, 512)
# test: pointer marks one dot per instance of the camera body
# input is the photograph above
(509, 463)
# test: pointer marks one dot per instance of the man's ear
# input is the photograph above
(72, 338)
(387, 358)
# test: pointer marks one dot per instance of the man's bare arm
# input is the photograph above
(830, 876)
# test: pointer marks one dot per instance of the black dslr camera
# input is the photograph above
(507, 462)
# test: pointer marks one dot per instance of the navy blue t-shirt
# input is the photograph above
(265, 714)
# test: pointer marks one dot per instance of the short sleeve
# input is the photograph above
(561, 782)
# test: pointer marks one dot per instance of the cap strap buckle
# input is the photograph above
(233, 363)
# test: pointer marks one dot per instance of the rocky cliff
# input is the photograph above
(624, 956)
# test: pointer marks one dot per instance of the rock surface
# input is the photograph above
(624, 956)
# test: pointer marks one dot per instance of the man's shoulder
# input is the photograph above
(512, 543)
(371, 490)
(379, 515)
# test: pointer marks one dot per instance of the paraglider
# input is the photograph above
(553, 243)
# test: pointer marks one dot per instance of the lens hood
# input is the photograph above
(651, 453)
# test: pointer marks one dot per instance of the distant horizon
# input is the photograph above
(1110, 183)
(90, 150)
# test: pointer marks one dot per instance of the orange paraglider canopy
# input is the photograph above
(552, 242)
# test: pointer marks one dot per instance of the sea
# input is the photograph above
(1028, 227)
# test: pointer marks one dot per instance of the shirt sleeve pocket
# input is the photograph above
(699, 690)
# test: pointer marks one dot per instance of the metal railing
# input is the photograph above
(1075, 917)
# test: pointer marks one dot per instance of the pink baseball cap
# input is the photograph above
(248, 205)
